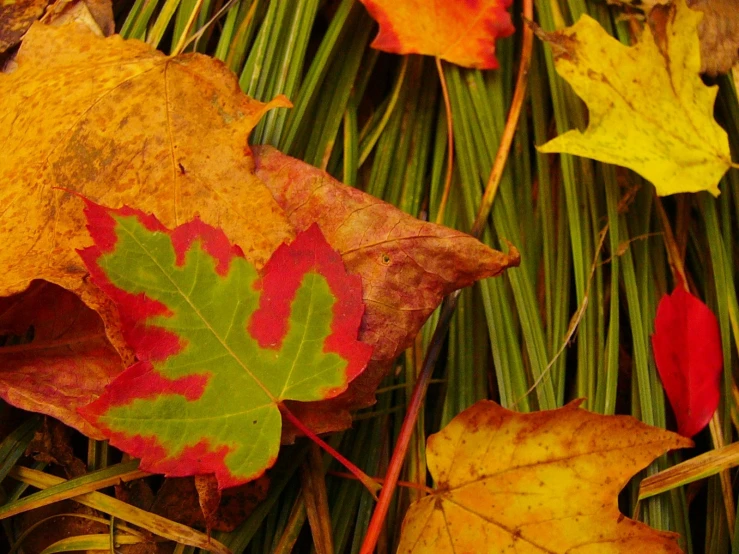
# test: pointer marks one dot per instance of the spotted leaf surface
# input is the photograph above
(544, 482)
(219, 345)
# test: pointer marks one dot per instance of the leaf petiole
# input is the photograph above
(363, 478)
(381, 480)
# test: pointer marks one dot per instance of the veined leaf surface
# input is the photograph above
(219, 345)
(649, 108)
(539, 483)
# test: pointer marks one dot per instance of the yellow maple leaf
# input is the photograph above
(649, 108)
(543, 482)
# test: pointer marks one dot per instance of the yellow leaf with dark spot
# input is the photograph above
(649, 108)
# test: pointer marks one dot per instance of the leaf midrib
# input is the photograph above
(202, 318)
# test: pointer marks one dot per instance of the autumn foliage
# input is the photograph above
(541, 482)
(670, 138)
(212, 174)
(687, 351)
(200, 302)
(459, 32)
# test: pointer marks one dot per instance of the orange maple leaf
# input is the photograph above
(463, 33)
(541, 482)
(113, 120)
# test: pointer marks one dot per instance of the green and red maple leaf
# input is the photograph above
(219, 345)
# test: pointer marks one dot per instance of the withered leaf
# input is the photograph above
(66, 365)
(407, 265)
(15, 19)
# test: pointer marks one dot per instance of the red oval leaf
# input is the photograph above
(687, 349)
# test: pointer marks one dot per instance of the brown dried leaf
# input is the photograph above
(407, 265)
(97, 15)
(179, 500)
(53, 444)
(15, 19)
(719, 34)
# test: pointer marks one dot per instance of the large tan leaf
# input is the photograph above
(121, 123)
(407, 265)
(544, 482)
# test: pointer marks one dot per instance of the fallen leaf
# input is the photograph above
(649, 109)
(718, 31)
(687, 350)
(121, 123)
(66, 365)
(219, 347)
(407, 266)
(97, 15)
(15, 19)
(138, 493)
(719, 34)
(540, 482)
(52, 444)
(209, 498)
(178, 500)
(463, 33)
(177, 146)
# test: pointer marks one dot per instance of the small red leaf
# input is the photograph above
(687, 349)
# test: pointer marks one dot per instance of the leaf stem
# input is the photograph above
(519, 95)
(409, 424)
(363, 478)
(381, 480)
(450, 302)
(450, 143)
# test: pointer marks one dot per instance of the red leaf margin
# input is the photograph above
(279, 288)
(689, 358)
(309, 250)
